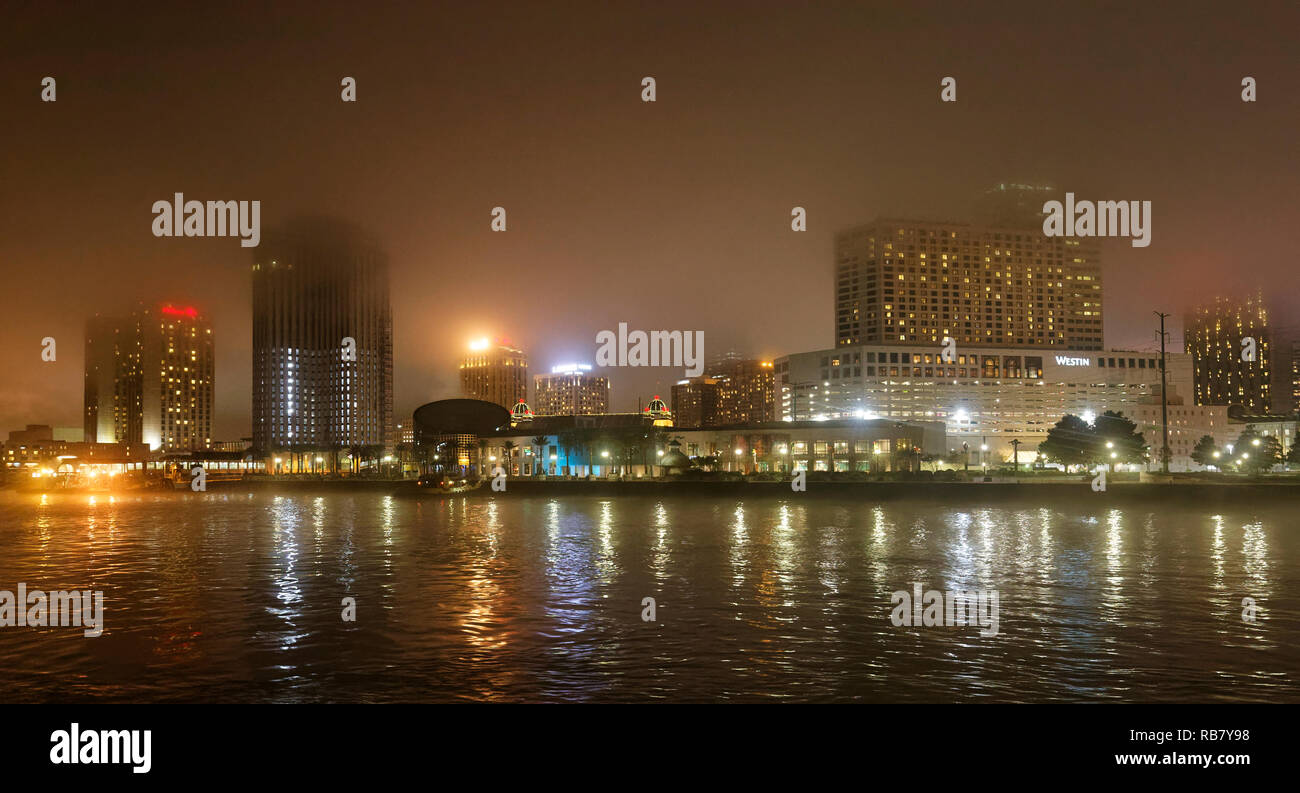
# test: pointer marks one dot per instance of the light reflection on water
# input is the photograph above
(238, 597)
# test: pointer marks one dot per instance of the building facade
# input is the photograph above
(736, 391)
(628, 445)
(985, 396)
(917, 282)
(494, 372)
(149, 378)
(1219, 336)
(1189, 423)
(570, 390)
(695, 402)
(322, 339)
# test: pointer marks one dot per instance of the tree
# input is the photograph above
(1293, 456)
(1070, 442)
(508, 449)
(568, 441)
(1254, 453)
(539, 462)
(1118, 439)
(1205, 451)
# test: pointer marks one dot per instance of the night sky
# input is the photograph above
(671, 215)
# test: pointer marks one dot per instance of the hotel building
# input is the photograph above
(985, 396)
(570, 390)
(494, 372)
(149, 379)
(1213, 336)
(322, 339)
(911, 282)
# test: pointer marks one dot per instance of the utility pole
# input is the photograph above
(1164, 397)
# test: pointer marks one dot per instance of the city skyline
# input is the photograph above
(745, 141)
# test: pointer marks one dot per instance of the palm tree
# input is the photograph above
(568, 440)
(482, 452)
(508, 450)
(539, 443)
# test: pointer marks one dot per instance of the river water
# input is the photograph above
(236, 596)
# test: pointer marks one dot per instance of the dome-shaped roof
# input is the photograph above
(521, 412)
(675, 459)
(656, 406)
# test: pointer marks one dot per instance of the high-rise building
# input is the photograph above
(1220, 336)
(494, 372)
(736, 391)
(150, 379)
(102, 418)
(570, 390)
(322, 339)
(746, 392)
(917, 282)
(1295, 376)
(695, 402)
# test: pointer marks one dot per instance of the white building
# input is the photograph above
(986, 396)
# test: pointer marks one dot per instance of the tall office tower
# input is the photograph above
(495, 372)
(322, 339)
(1015, 206)
(570, 390)
(100, 419)
(1295, 377)
(916, 282)
(735, 391)
(746, 392)
(150, 379)
(695, 402)
(1218, 336)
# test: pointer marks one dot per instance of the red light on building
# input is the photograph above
(172, 311)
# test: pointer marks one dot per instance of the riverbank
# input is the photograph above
(1197, 492)
(999, 490)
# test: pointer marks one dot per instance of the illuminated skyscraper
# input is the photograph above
(1219, 336)
(322, 339)
(150, 379)
(736, 391)
(570, 390)
(917, 282)
(495, 372)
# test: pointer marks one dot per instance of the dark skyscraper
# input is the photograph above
(322, 339)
